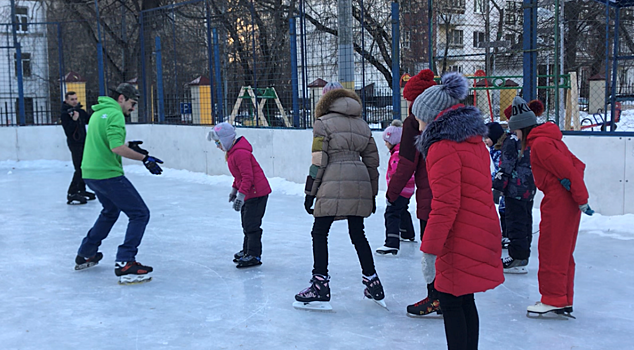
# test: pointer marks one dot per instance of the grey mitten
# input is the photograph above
(429, 267)
(239, 202)
(233, 194)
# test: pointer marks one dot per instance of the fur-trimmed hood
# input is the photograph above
(340, 101)
(454, 125)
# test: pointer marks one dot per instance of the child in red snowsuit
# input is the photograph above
(559, 174)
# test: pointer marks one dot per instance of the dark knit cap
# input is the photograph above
(495, 131)
(417, 84)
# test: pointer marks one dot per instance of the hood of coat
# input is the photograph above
(241, 144)
(456, 125)
(549, 130)
(340, 101)
(106, 102)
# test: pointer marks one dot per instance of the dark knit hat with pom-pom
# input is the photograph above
(437, 98)
(537, 107)
(418, 83)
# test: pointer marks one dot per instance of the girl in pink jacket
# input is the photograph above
(249, 192)
(398, 221)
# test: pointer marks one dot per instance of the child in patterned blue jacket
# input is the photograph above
(494, 142)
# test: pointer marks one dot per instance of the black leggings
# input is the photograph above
(462, 325)
(321, 227)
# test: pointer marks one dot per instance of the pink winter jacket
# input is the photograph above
(248, 175)
(409, 188)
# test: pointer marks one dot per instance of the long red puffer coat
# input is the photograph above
(463, 230)
(551, 162)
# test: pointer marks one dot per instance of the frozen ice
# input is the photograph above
(199, 300)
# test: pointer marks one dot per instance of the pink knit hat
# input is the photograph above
(393, 133)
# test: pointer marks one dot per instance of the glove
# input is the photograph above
(151, 164)
(134, 145)
(238, 202)
(373, 205)
(232, 195)
(586, 209)
(308, 204)
(565, 183)
(429, 267)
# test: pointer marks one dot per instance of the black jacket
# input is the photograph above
(75, 129)
(515, 177)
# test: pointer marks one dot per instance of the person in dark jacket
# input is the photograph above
(410, 163)
(74, 120)
(515, 180)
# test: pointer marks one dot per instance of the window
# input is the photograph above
(455, 69)
(479, 6)
(510, 39)
(455, 38)
(26, 64)
(478, 37)
(514, 13)
(22, 19)
(406, 41)
(456, 5)
(28, 109)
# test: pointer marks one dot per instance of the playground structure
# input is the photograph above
(250, 94)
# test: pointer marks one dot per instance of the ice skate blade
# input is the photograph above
(519, 270)
(85, 266)
(134, 279)
(381, 304)
(434, 314)
(559, 312)
(408, 240)
(249, 265)
(313, 305)
(387, 253)
(74, 202)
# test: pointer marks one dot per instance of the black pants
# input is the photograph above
(423, 224)
(321, 227)
(462, 326)
(519, 227)
(252, 213)
(396, 217)
(77, 183)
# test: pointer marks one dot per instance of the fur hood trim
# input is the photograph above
(350, 106)
(454, 125)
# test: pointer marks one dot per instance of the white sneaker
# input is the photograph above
(387, 250)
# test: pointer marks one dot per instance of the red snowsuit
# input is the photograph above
(249, 178)
(551, 162)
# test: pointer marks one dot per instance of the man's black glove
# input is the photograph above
(151, 163)
(134, 145)
(308, 204)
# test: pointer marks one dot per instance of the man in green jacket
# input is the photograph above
(103, 173)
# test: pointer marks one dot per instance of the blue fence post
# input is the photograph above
(214, 114)
(102, 90)
(530, 50)
(607, 59)
(18, 57)
(219, 89)
(62, 80)
(255, 67)
(143, 83)
(430, 32)
(159, 80)
(396, 88)
(294, 78)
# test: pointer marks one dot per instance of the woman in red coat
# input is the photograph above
(559, 174)
(463, 232)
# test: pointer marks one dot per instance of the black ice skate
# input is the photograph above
(89, 195)
(237, 256)
(514, 266)
(316, 296)
(82, 263)
(424, 307)
(248, 261)
(540, 309)
(132, 272)
(76, 199)
(387, 250)
(374, 290)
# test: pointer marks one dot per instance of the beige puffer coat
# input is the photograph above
(343, 175)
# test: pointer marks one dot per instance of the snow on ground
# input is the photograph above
(199, 300)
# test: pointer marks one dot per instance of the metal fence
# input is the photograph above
(256, 64)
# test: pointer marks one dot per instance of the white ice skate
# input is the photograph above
(313, 305)
(134, 279)
(386, 250)
(540, 309)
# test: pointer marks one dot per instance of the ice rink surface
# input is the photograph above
(199, 300)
